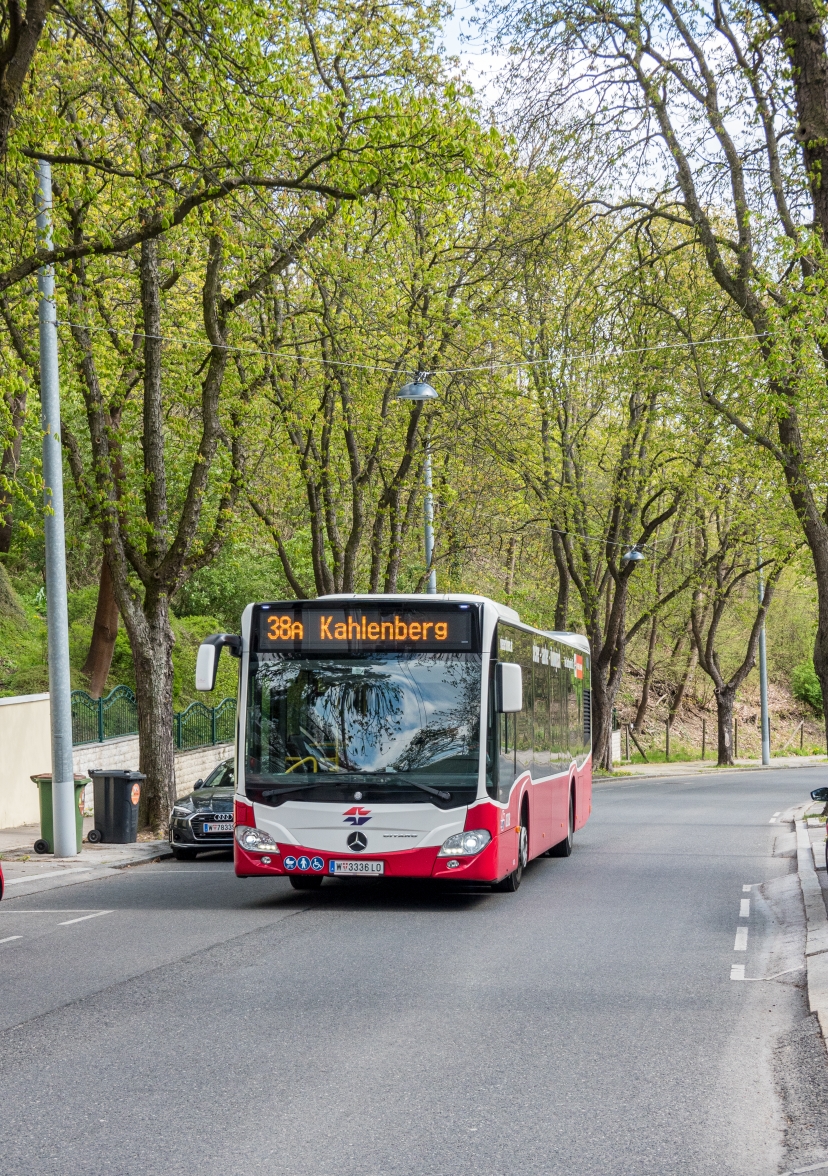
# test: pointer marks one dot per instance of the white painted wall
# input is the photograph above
(25, 749)
(615, 747)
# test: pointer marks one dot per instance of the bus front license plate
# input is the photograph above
(357, 867)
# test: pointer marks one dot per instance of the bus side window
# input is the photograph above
(507, 758)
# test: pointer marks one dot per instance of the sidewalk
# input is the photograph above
(700, 767)
(26, 872)
(813, 878)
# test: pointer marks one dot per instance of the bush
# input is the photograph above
(805, 686)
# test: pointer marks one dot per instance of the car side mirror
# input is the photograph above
(208, 655)
(820, 794)
(508, 688)
(198, 784)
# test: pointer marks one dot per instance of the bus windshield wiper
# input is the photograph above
(427, 788)
(297, 787)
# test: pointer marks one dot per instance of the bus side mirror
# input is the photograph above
(508, 688)
(208, 656)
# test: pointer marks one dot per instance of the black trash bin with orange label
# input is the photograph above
(117, 793)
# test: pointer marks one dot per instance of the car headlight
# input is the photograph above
(254, 840)
(465, 844)
(185, 809)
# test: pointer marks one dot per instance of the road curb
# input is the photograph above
(816, 919)
(713, 770)
(22, 880)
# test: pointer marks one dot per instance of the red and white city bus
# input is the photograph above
(406, 737)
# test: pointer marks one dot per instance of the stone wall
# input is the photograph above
(123, 753)
(25, 749)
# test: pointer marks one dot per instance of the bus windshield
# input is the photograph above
(383, 720)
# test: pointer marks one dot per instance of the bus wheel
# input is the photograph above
(511, 882)
(305, 881)
(564, 848)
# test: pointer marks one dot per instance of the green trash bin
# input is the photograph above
(46, 841)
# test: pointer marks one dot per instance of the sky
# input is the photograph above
(463, 41)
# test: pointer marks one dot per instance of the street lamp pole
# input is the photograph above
(763, 674)
(428, 520)
(57, 616)
(419, 390)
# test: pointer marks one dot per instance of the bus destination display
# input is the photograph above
(364, 629)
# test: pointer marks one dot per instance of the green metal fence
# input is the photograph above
(200, 725)
(94, 720)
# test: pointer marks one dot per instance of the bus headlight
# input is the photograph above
(465, 844)
(254, 840)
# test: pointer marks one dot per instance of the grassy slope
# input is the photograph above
(23, 651)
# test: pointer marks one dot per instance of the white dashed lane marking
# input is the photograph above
(9, 938)
(83, 918)
(741, 939)
(747, 889)
(744, 908)
(737, 971)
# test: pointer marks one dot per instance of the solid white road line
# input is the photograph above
(744, 908)
(9, 938)
(741, 939)
(737, 971)
(52, 911)
(83, 918)
(52, 872)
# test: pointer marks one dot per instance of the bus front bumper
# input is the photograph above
(403, 863)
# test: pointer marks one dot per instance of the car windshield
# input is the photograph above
(395, 717)
(220, 777)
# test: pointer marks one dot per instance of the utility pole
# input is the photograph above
(419, 390)
(763, 674)
(428, 519)
(60, 687)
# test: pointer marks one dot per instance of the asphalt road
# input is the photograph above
(587, 1024)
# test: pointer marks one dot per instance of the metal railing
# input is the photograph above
(94, 720)
(201, 726)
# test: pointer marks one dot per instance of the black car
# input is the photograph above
(204, 819)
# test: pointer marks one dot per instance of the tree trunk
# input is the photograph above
(725, 697)
(152, 640)
(9, 465)
(9, 604)
(648, 677)
(104, 632)
(562, 598)
(678, 697)
(602, 700)
(23, 32)
(510, 568)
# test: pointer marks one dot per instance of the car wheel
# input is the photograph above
(184, 855)
(305, 882)
(94, 836)
(41, 846)
(511, 882)
(564, 848)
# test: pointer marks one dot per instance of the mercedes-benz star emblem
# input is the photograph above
(357, 842)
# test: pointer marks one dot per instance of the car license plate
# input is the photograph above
(357, 867)
(222, 827)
